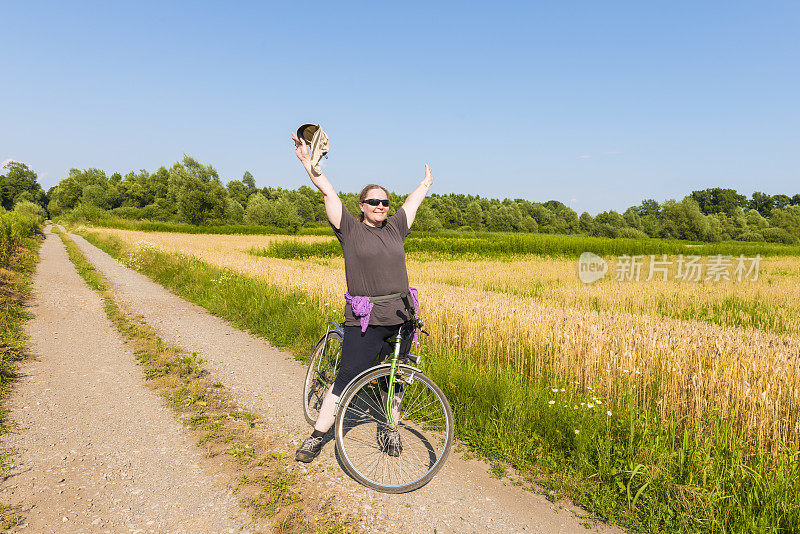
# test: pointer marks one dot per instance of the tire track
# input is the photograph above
(97, 451)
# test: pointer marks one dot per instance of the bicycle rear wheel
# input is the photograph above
(322, 370)
(424, 425)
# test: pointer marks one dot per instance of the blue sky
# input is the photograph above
(598, 105)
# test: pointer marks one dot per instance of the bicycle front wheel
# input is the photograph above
(322, 370)
(403, 457)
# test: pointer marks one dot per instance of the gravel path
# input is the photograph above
(461, 498)
(97, 451)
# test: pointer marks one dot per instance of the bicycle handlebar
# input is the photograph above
(416, 321)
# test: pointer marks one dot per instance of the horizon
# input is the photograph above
(542, 201)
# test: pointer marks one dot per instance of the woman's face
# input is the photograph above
(375, 215)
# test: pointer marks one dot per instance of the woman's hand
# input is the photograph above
(428, 181)
(415, 198)
(301, 150)
(333, 205)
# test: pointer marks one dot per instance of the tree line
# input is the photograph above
(193, 193)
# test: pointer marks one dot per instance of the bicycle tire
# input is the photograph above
(425, 427)
(322, 370)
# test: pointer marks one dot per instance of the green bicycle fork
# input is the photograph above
(392, 382)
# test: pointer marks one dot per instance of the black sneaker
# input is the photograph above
(309, 449)
(390, 442)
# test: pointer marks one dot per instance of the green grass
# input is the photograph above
(632, 467)
(14, 291)
(488, 246)
(15, 228)
(186, 228)
(15, 277)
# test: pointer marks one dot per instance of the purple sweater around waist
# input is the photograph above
(362, 307)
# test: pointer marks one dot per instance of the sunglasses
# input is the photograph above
(375, 202)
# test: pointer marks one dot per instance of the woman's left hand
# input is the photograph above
(428, 180)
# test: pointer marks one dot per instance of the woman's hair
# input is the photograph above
(363, 196)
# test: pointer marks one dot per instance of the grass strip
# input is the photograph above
(624, 464)
(186, 228)
(261, 473)
(494, 246)
(15, 279)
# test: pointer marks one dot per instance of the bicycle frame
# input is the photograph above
(394, 365)
(336, 326)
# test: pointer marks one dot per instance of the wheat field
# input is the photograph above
(533, 316)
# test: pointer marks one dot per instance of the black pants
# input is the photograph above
(361, 349)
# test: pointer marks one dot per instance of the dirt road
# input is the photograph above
(97, 451)
(461, 498)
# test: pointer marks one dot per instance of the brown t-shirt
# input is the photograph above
(375, 265)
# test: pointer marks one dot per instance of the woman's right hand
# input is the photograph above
(301, 150)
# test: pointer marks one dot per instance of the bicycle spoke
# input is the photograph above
(321, 373)
(365, 415)
(423, 427)
(417, 410)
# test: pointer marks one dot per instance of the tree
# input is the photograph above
(426, 219)
(505, 218)
(569, 220)
(95, 195)
(249, 181)
(234, 212)
(133, 190)
(718, 200)
(755, 220)
(684, 220)
(788, 219)
(586, 223)
(474, 216)
(722, 225)
(762, 203)
(257, 207)
(781, 201)
(197, 192)
(69, 191)
(17, 179)
(202, 202)
(648, 207)
(238, 191)
(156, 185)
(611, 218)
(632, 219)
(543, 216)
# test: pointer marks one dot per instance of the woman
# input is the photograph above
(374, 265)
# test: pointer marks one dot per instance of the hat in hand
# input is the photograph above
(317, 141)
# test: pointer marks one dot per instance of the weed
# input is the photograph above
(498, 470)
(19, 254)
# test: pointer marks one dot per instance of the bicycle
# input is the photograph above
(393, 397)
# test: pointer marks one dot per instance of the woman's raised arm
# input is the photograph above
(416, 197)
(333, 205)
